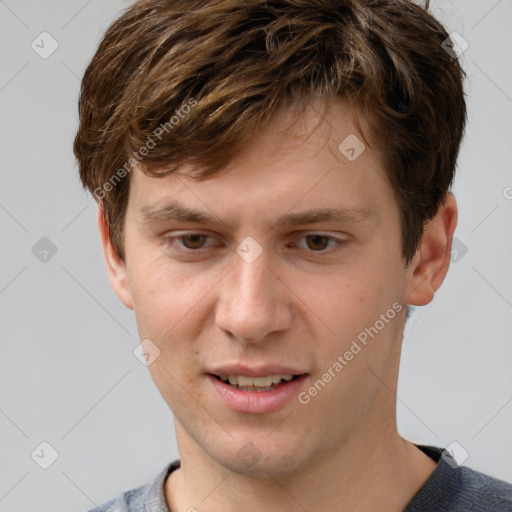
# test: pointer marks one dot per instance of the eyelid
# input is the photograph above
(336, 236)
(176, 235)
(340, 241)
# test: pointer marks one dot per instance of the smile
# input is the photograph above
(245, 383)
(257, 395)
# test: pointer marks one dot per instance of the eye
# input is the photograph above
(187, 242)
(320, 243)
(317, 242)
(193, 241)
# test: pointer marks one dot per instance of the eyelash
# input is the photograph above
(340, 243)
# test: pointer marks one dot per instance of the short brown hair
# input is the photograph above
(234, 63)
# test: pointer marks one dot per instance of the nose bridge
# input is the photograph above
(253, 282)
(251, 305)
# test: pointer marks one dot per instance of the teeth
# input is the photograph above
(243, 381)
(258, 382)
(261, 382)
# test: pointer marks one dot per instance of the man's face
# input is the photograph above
(264, 288)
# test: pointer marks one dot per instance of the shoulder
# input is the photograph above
(146, 497)
(126, 502)
(454, 488)
(480, 492)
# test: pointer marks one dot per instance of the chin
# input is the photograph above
(267, 467)
(258, 460)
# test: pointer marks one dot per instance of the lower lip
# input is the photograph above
(257, 402)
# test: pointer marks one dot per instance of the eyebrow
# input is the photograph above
(173, 211)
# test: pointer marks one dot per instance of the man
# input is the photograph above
(273, 186)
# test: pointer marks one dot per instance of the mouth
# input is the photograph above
(256, 384)
(263, 392)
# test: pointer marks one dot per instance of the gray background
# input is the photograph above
(68, 375)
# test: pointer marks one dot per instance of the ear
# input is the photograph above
(430, 264)
(116, 267)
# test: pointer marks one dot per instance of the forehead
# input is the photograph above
(318, 158)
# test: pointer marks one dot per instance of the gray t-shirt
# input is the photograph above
(450, 488)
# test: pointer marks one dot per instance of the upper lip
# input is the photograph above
(254, 371)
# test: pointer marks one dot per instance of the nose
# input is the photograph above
(253, 302)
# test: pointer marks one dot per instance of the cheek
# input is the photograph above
(163, 292)
(171, 308)
(343, 298)
(349, 304)
(175, 385)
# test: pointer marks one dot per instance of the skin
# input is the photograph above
(300, 304)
